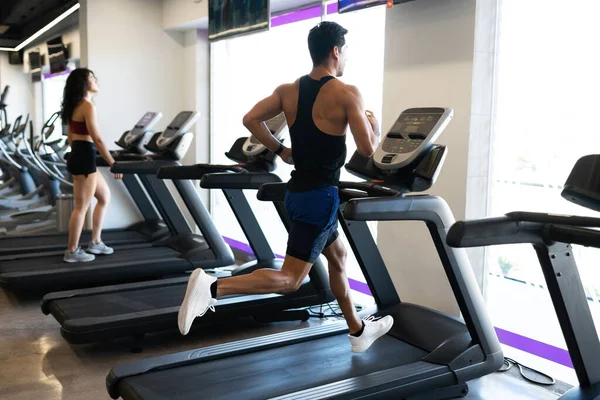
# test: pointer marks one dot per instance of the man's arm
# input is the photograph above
(365, 134)
(264, 110)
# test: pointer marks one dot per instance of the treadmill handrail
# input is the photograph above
(140, 167)
(571, 220)
(572, 235)
(227, 180)
(372, 189)
(272, 192)
(494, 231)
(525, 227)
(196, 171)
(426, 208)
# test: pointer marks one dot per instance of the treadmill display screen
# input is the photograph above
(145, 120)
(174, 127)
(409, 131)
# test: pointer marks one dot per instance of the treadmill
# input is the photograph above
(132, 310)
(426, 355)
(172, 255)
(144, 232)
(551, 236)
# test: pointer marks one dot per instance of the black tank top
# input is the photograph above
(318, 157)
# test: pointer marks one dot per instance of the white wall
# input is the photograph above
(140, 68)
(429, 62)
(184, 14)
(196, 96)
(20, 99)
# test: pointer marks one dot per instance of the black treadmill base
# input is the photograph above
(273, 372)
(58, 241)
(447, 393)
(268, 309)
(52, 273)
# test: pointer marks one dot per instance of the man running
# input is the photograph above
(318, 109)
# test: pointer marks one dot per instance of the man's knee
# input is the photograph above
(293, 282)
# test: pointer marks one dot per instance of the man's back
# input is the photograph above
(317, 120)
(328, 112)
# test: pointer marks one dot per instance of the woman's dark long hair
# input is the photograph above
(75, 91)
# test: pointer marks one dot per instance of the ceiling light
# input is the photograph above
(47, 27)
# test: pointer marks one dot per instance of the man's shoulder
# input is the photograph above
(285, 87)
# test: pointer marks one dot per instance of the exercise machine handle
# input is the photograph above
(227, 180)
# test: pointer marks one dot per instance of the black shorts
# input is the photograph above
(314, 223)
(82, 159)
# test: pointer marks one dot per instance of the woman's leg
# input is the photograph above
(102, 194)
(83, 191)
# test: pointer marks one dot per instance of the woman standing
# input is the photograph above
(79, 113)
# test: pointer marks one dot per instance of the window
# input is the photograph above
(546, 99)
(248, 68)
(52, 93)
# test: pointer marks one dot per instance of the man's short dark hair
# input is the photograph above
(323, 38)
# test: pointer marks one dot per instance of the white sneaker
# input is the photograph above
(197, 300)
(99, 248)
(78, 256)
(375, 327)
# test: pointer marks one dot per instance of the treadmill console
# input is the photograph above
(276, 125)
(175, 141)
(413, 132)
(145, 124)
(135, 140)
(408, 161)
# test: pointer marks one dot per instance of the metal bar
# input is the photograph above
(140, 198)
(249, 224)
(369, 258)
(572, 309)
(166, 205)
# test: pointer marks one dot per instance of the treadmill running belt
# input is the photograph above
(18, 245)
(51, 273)
(43, 265)
(270, 373)
(106, 305)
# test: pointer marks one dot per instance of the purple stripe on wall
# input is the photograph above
(359, 286)
(532, 346)
(301, 15)
(332, 8)
(241, 246)
(540, 349)
(65, 72)
(296, 16)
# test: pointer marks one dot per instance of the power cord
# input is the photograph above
(317, 310)
(509, 362)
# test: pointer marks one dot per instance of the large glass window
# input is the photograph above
(546, 99)
(248, 68)
(52, 93)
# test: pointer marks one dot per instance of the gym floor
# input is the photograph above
(36, 363)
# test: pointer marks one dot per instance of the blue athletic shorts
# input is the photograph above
(314, 223)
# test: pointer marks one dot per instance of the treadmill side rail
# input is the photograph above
(438, 217)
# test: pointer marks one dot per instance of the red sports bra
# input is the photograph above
(79, 128)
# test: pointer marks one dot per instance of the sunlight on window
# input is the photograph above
(546, 101)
